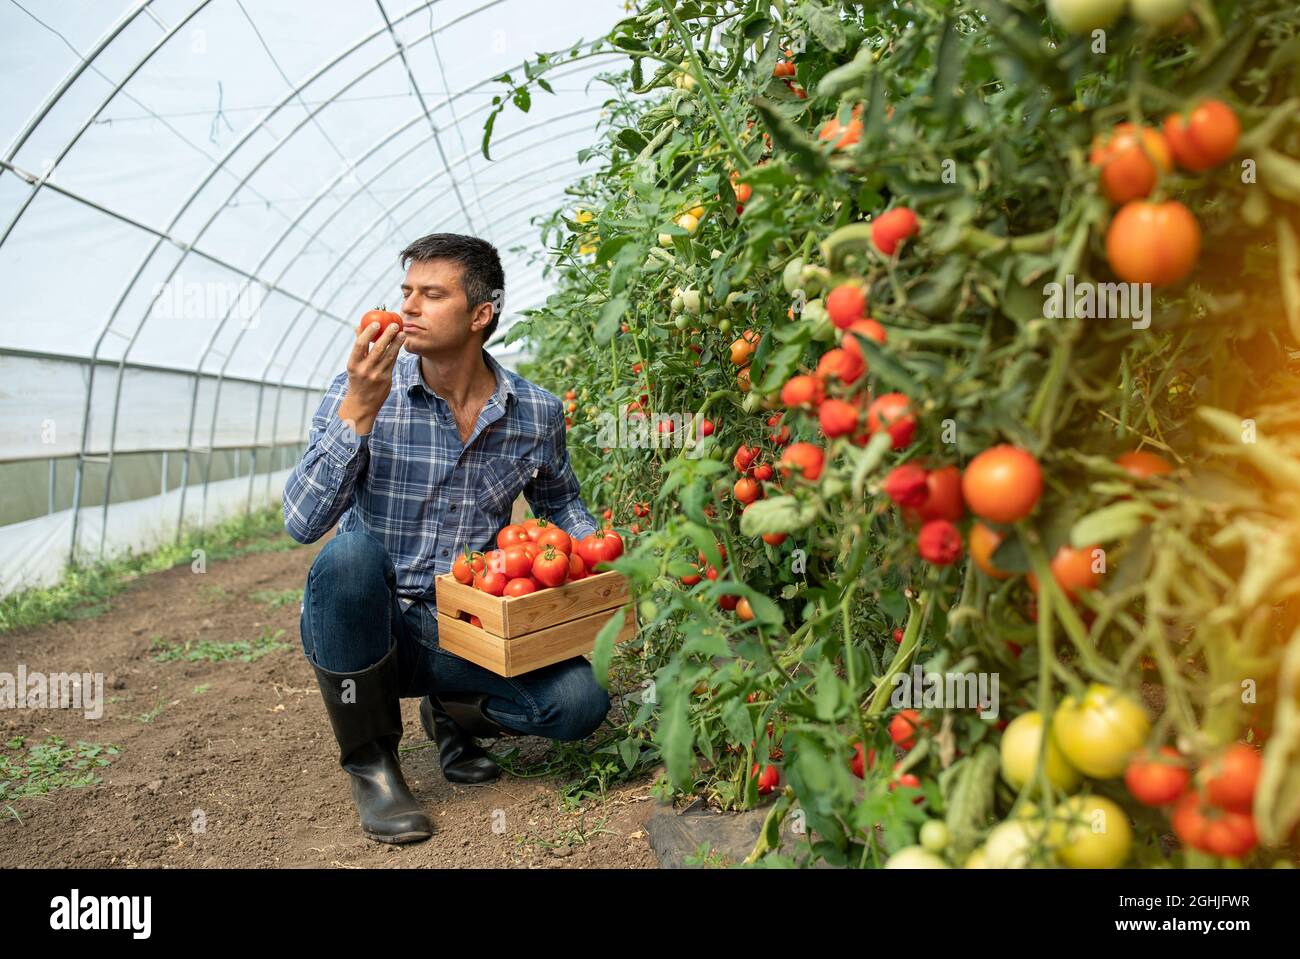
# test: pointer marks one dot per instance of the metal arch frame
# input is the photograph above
(384, 215)
(244, 180)
(187, 247)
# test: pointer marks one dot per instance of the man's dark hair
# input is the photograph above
(481, 275)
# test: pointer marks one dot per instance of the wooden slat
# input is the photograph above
(513, 616)
(513, 657)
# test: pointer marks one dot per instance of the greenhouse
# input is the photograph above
(709, 434)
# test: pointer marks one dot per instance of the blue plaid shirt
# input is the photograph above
(412, 485)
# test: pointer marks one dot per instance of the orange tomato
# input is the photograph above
(1131, 159)
(1072, 570)
(1205, 137)
(1141, 465)
(983, 543)
(1002, 484)
(1155, 243)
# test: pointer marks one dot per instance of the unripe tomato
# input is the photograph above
(1002, 484)
(1157, 779)
(1131, 159)
(934, 835)
(846, 304)
(1021, 741)
(1084, 16)
(1155, 243)
(1204, 138)
(1229, 779)
(915, 857)
(893, 227)
(1097, 834)
(1099, 733)
(1158, 13)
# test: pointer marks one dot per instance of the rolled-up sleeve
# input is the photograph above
(554, 493)
(321, 485)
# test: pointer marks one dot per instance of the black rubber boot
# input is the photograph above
(462, 759)
(367, 720)
(466, 711)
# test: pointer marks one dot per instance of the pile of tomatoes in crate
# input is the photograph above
(535, 555)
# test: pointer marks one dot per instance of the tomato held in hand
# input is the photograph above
(1157, 779)
(1002, 484)
(385, 319)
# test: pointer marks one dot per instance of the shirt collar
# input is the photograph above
(408, 377)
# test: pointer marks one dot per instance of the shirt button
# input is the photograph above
(444, 552)
(453, 507)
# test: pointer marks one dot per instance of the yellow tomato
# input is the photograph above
(1021, 741)
(1097, 834)
(1098, 734)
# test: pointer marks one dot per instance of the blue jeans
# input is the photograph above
(351, 618)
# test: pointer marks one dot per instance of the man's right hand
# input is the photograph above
(370, 376)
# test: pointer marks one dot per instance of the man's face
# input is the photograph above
(435, 314)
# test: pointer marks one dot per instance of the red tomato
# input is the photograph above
(943, 495)
(577, 567)
(614, 543)
(903, 727)
(762, 472)
(906, 485)
(1159, 779)
(840, 364)
(556, 537)
(520, 586)
(494, 561)
(535, 528)
(491, 582)
(511, 535)
(532, 549)
(1213, 830)
(803, 390)
(891, 228)
(1141, 465)
(462, 570)
(552, 567)
(909, 781)
(769, 777)
(868, 329)
(983, 542)
(774, 539)
(1229, 779)
(845, 304)
(806, 459)
(939, 542)
(1002, 484)
(1131, 158)
(385, 319)
(1072, 570)
(517, 561)
(898, 636)
(475, 621)
(857, 765)
(837, 417)
(746, 490)
(892, 412)
(1206, 137)
(744, 457)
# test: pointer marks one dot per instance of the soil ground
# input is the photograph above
(246, 749)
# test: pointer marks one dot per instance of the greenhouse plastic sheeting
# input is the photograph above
(199, 198)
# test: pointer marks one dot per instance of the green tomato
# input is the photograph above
(1084, 16)
(681, 322)
(1096, 833)
(790, 275)
(648, 609)
(724, 325)
(914, 857)
(1098, 734)
(691, 302)
(1158, 13)
(934, 835)
(1021, 741)
(1012, 844)
(751, 402)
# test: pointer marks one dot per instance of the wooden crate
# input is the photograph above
(523, 633)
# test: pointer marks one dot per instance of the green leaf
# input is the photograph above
(522, 99)
(1217, 72)
(825, 26)
(738, 722)
(603, 651)
(790, 138)
(675, 739)
(1117, 521)
(1277, 800)
(611, 315)
(705, 543)
(629, 750)
(826, 701)
(776, 514)
(936, 292)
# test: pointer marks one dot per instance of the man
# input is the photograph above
(418, 450)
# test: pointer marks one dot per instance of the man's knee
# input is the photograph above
(351, 567)
(584, 704)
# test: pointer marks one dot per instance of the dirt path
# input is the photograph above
(247, 748)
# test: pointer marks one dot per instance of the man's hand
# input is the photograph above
(370, 376)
